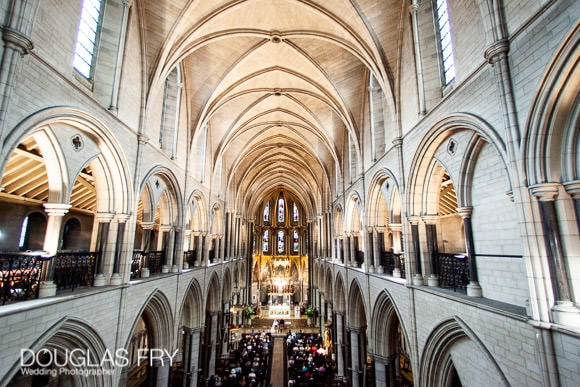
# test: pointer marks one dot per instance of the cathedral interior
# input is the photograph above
(290, 193)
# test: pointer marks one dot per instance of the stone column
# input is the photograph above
(116, 278)
(355, 355)
(103, 221)
(199, 249)
(56, 213)
(161, 371)
(213, 342)
(187, 238)
(339, 344)
(166, 244)
(573, 188)
(146, 240)
(377, 251)
(381, 363)
(194, 357)
(473, 289)
(418, 270)
(430, 222)
(418, 58)
(370, 257)
(177, 255)
(563, 311)
(353, 250)
(397, 230)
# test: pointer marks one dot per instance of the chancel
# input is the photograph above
(289, 193)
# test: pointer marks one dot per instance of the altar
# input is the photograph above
(279, 311)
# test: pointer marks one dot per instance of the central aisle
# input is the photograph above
(278, 363)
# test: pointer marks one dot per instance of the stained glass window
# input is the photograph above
(281, 210)
(267, 212)
(266, 240)
(295, 211)
(280, 242)
(296, 244)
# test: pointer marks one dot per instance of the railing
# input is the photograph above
(20, 275)
(75, 269)
(453, 270)
(390, 261)
(189, 257)
(137, 263)
(155, 261)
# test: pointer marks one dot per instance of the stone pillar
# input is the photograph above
(573, 188)
(430, 222)
(161, 371)
(377, 251)
(145, 243)
(213, 342)
(563, 311)
(103, 221)
(355, 355)
(381, 363)
(56, 213)
(193, 370)
(397, 230)
(370, 257)
(166, 244)
(473, 289)
(353, 249)
(116, 278)
(186, 247)
(339, 316)
(418, 270)
(177, 255)
(199, 253)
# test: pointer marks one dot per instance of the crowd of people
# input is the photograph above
(250, 363)
(309, 363)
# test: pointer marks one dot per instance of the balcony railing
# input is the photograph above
(390, 261)
(152, 260)
(74, 269)
(189, 257)
(20, 275)
(453, 270)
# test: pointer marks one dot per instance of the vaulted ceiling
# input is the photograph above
(279, 84)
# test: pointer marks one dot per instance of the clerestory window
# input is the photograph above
(445, 40)
(86, 46)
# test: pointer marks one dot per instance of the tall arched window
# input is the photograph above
(87, 36)
(170, 113)
(267, 212)
(296, 216)
(296, 245)
(32, 232)
(266, 241)
(280, 242)
(445, 40)
(281, 210)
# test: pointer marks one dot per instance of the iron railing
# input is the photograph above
(189, 257)
(390, 261)
(137, 263)
(152, 260)
(74, 269)
(155, 261)
(20, 275)
(453, 270)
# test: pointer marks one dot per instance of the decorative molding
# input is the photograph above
(17, 41)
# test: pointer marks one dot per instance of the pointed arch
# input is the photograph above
(157, 313)
(191, 308)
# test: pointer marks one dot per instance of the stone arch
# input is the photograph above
(191, 307)
(162, 182)
(339, 292)
(472, 128)
(197, 212)
(157, 313)
(213, 294)
(328, 285)
(69, 334)
(56, 126)
(356, 305)
(227, 286)
(445, 342)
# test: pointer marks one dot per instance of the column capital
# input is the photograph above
(546, 192)
(143, 139)
(465, 212)
(381, 359)
(147, 225)
(396, 226)
(398, 141)
(497, 51)
(165, 227)
(17, 41)
(413, 219)
(352, 329)
(104, 217)
(573, 188)
(430, 219)
(122, 218)
(56, 209)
